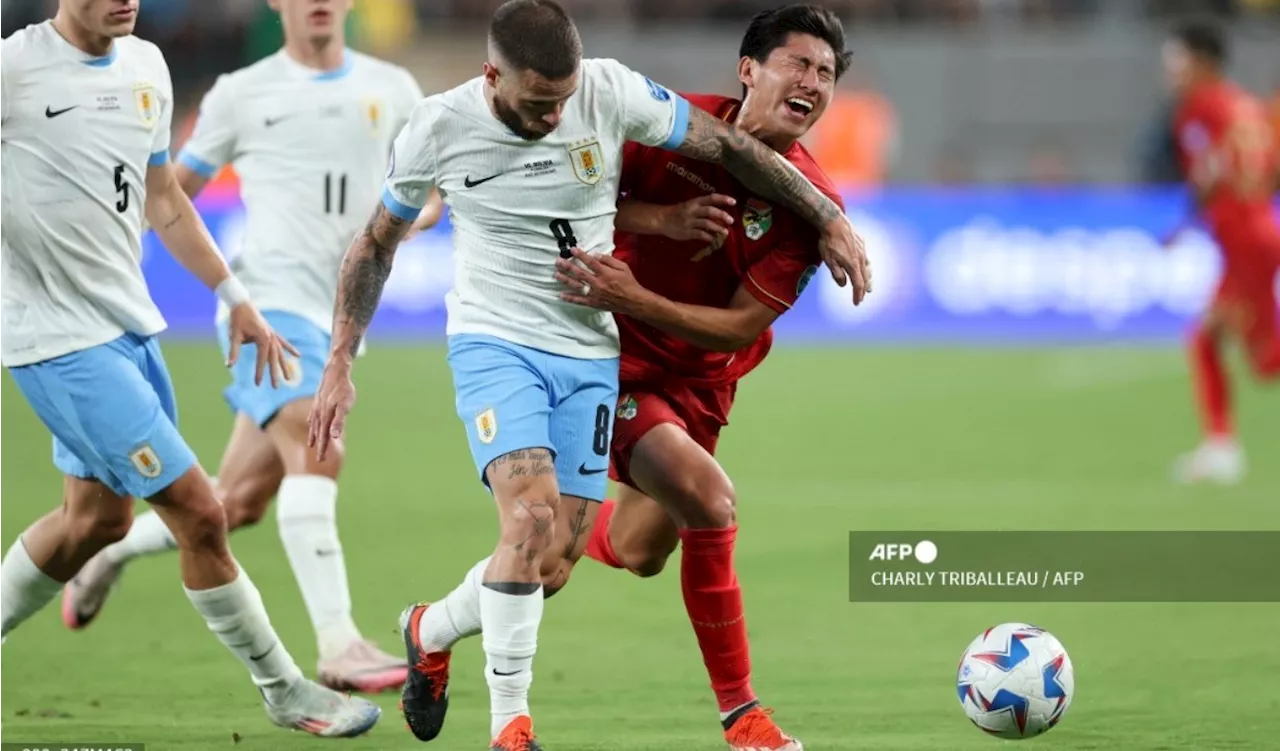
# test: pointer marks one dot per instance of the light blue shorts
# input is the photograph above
(261, 402)
(112, 413)
(512, 397)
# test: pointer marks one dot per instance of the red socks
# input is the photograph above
(598, 546)
(714, 601)
(1212, 390)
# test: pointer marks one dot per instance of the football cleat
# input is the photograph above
(86, 593)
(314, 709)
(425, 698)
(516, 736)
(362, 667)
(752, 728)
(1220, 461)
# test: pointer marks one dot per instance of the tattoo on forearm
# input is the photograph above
(169, 224)
(759, 167)
(365, 270)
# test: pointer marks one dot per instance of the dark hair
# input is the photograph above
(769, 30)
(536, 35)
(1204, 40)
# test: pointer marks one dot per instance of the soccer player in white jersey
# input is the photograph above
(309, 130)
(528, 157)
(87, 109)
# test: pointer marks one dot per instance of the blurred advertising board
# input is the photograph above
(954, 265)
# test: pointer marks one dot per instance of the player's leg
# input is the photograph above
(247, 480)
(306, 508)
(306, 513)
(131, 444)
(1218, 458)
(503, 400)
(665, 451)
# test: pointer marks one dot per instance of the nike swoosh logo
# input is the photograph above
(468, 182)
(270, 649)
(582, 470)
(51, 112)
(507, 675)
(270, 121)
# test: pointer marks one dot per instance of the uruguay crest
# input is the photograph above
(587, 160)
(372, 113)
(487, 426)
(146, 461)
(147, 103)
(757, 217)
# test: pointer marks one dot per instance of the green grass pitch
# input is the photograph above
(822, 442)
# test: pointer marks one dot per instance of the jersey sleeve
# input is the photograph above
(411, 175)
(778, 279)
(648, 112)
(212, 143)
(164, 126)
(4, 82)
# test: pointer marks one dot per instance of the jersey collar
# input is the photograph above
(299, 70)
(79, 55)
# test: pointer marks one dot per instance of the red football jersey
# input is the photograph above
(1224, 129)
(769, 249)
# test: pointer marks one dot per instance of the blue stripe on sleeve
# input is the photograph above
(681, 125)
(402, 210)
(158, 159)
(196, 164)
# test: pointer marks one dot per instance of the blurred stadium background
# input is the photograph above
(1010, 162)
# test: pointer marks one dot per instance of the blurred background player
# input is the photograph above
(536, 377)
(1229, 157)
(695, 319)
(87, 111)
(308, 130)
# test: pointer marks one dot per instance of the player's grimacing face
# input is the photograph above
(527, 103)
(111, 18)
(794, 85)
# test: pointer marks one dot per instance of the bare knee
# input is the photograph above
(529, 526)
(99, 525)
(244, 503)
(710, 506)
(196, 518)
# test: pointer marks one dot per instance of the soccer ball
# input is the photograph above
(1015, 681)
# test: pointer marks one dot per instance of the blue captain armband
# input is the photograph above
(196, 164)
(680, 125)
(401, 210)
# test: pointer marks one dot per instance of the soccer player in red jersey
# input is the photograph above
(697, 284)
(1229, 157)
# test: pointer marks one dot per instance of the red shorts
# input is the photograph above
(1246, 301)
(700, 412)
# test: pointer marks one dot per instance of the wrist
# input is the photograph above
(232, 292)
(641, 305)
(664, 218)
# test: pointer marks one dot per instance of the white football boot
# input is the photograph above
(317, 710)
(1217, 460)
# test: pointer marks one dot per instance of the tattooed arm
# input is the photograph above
(364, 273)
(764, 171)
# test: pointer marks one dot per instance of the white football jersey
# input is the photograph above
(310, 149)
(517, 205)
(78, 135)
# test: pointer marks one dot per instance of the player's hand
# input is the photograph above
(247, 326)
(845, 253)
(598, 281)
(703, 219)
(330, 407)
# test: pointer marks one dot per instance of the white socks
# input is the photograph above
(147, 536)
(456, 617)
(307, 514)
(236, 614)
(510, 641)
(24, 588)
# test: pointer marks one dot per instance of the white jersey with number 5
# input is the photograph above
(79, 133)
(310, 149)
(517, 205)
